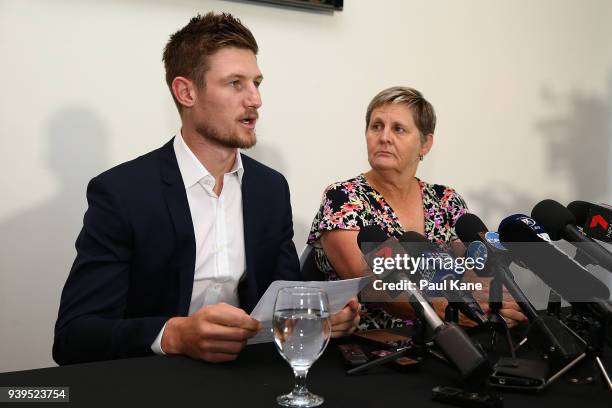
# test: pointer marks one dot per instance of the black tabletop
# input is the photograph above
(260, 374)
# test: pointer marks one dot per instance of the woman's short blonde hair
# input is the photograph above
(423, 112)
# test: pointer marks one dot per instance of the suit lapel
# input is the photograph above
(248, 289)
(178, 207)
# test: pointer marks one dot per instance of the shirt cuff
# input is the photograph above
(156, 346)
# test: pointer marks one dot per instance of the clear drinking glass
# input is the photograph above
(301, 332)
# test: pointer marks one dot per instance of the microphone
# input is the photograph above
(564, 275)
(559, 222)
(580, 209)
(547, 333)
(375, 243)
(595, 219)
(371, 234)
(471, 229)
(450, 339)
(462, 300)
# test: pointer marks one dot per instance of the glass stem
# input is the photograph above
(300, 382)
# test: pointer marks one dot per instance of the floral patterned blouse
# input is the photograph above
(354, 203)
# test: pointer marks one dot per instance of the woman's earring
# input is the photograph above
(421, 157)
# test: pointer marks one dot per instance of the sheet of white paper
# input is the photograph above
(338, 292)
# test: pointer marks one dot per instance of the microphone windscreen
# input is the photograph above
(371, 234)
(580, 209)
(510, 219)
(415, 244)
(412, 236)
(553, 216)
(520, 228)
(554, 267)
(468, 226)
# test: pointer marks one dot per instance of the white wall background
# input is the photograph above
(523, 92)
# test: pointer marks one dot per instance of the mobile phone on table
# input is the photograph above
(383, 338)
(401, 363)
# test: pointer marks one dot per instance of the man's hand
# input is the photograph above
(215, 333)
(346, 321)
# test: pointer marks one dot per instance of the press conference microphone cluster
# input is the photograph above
(484, 243)
(449, 338)
(460, 299)
(546, 333)
(418, 246)
(563, 274)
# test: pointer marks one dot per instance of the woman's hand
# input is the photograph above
(510, 310)
(345, 322)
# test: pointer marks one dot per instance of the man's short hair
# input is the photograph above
(186, 53)
(422, 111)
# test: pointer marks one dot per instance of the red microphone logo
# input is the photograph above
(384, 252)
(599, 226)
(600, 221)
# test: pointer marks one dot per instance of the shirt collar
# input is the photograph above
(190, 167)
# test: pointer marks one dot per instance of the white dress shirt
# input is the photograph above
(219, 235)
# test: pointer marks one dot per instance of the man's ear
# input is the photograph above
(183, 90)
(426, 147)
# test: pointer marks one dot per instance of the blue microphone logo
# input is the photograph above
(477, 249)
(535, 227)
(493, 239)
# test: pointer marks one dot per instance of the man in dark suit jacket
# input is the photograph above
(131, 289)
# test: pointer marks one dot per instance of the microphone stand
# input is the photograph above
(496, 322)
(451, 313)
(595, 348)
(588, 319)
(554, 304)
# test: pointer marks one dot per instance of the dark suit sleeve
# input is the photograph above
(91, 324)
(288, 263)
